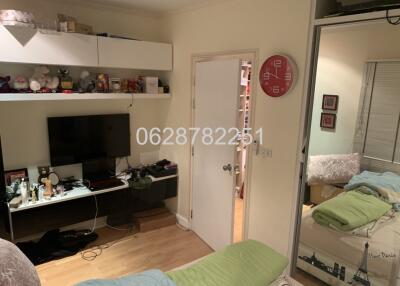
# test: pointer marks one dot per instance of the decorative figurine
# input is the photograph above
(115, 84)
(66, 81)
(49, 190)
(86, 83)
(102, 83)
(4, 84)
(131, 86)
(125, 86)
(33, 197)
(21, 83)
(52, 83)
(39, 78)
(140, 84)
(35, 193)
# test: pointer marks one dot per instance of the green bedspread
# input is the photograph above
(249, 263)
(349, 211)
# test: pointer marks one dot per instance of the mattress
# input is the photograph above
(347, 249)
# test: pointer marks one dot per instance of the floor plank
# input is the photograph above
(163, 249)
(307, 279)
(238, 225)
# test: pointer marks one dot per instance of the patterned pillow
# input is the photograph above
(332, 169)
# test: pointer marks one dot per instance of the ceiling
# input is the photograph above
(157, 6)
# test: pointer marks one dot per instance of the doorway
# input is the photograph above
(221, 101)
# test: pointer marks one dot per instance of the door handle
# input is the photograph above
(227, 167)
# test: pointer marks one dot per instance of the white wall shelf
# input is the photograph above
(356, 17)
(4, 97)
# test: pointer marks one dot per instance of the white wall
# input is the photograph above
(343, 53)
(23, 125)
(270, 27)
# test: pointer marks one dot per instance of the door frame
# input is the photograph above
(306, 119)
(251, 55)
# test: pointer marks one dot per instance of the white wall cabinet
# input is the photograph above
(132, 54)
(25, 45)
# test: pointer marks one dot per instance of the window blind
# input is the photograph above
(377, 131)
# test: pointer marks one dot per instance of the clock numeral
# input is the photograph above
(266, 76)
(276, 89)
(278, 63)
(288, 76)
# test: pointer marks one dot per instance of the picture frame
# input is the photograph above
(328, 121)
(330, 102)
(15, 175)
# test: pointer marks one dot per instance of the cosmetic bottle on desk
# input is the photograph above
(24, 192)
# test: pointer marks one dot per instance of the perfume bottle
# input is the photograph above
(24, 192)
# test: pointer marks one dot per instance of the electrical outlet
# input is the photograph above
(265, 152)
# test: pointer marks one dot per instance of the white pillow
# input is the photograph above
(332, 169)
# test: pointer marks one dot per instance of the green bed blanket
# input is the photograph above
(350, 210)
(249, 263)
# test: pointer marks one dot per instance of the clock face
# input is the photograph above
(277, 75)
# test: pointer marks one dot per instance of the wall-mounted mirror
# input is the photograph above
(350, 225)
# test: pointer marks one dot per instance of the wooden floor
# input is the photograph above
(129, 253)
(238, 225)
(307, 279)
(163, 249)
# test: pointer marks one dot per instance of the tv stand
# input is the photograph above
(79, 205)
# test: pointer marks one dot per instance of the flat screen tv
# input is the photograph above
(79, 139)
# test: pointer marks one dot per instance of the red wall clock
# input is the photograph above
(277, 75)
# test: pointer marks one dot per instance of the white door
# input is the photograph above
(216, 106)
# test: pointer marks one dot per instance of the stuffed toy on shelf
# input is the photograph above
(42, 81)
(86, 82)
(21, 84)
(4, 84)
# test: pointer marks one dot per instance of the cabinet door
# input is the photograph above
(26, 45)
(121, 53)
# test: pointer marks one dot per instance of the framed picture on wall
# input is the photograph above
(328, 121)
(15, 175)
(330, 102)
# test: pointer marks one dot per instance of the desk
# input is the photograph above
(110, 201)
(76, 193)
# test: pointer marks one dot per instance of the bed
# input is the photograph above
(360, 222)
(331, 246)
(249, 263)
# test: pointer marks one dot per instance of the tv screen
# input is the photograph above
(79, 139)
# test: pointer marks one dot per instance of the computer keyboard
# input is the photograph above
(105, 184)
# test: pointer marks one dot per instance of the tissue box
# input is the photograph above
(151, 84)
